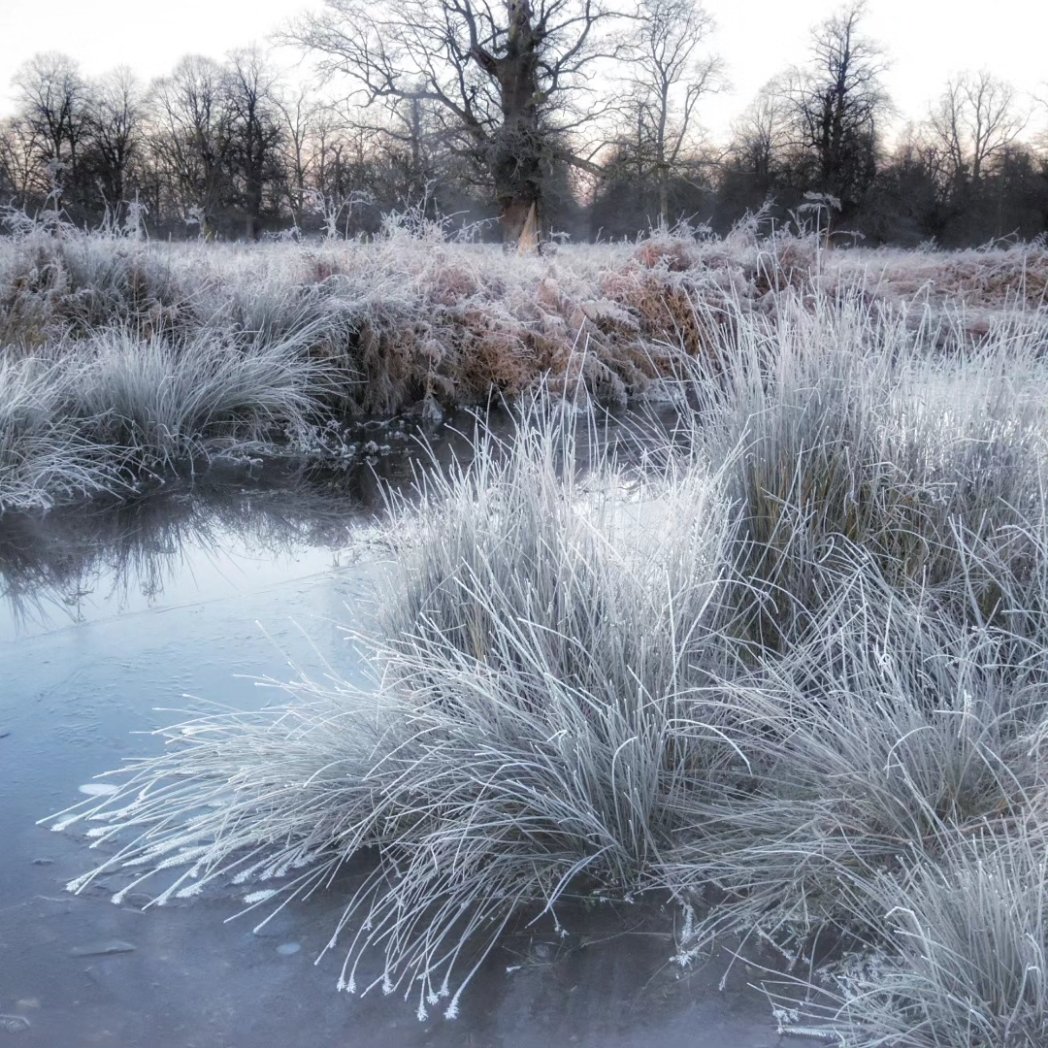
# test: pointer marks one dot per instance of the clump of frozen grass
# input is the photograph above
(879, 738)
(252, 797)
(52, 287)
(525, 533)
(965, 952)
(539, 716)
(165, 400)
(844, 429)
(89, 416)
(43, 456)
(889, 591)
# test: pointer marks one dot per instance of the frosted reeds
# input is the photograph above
(402, 322)
(91, 416)
(536, 715)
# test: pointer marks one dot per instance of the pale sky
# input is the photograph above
(926, 41)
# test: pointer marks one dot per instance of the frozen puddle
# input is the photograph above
(105, 620)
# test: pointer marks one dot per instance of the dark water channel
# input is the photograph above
(108, 614)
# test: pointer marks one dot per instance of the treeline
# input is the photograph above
(479, 117)
(220, 149)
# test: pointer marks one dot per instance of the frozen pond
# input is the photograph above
(107, 615)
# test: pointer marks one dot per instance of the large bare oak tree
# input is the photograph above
(510, 81)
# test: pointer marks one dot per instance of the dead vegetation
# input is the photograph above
(410, 319)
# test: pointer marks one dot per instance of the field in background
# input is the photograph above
(121, 360)
(787, 667)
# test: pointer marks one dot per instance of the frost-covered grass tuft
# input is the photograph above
(964, 954)
(90, 416)
(849, 431)
(44, 456)
(883, 737)
(538, 717)
(164, 401)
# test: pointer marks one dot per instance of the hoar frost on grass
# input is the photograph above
(793, 662)
(534, 723)
(405, 322)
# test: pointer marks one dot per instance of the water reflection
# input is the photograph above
(185, 542)
(191, 539)
(233, 526)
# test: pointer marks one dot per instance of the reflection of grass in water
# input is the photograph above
(64, 556)
(812, 673)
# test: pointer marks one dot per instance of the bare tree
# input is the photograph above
(974, 122)
(340, 151)
(411, 139)
(300, 118)
(507, 80)
(19, 161)
(836, 102)
(192, 137)
(53, 103)
(757, 160)
(322, 151)
(671, 73)
(761, 136)
(253, 121)
(116, 121)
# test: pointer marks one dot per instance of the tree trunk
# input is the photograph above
(517, 169)
(513, 216)
(664, 194)
(516, 152)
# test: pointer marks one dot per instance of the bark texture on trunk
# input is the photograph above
(517, 149)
